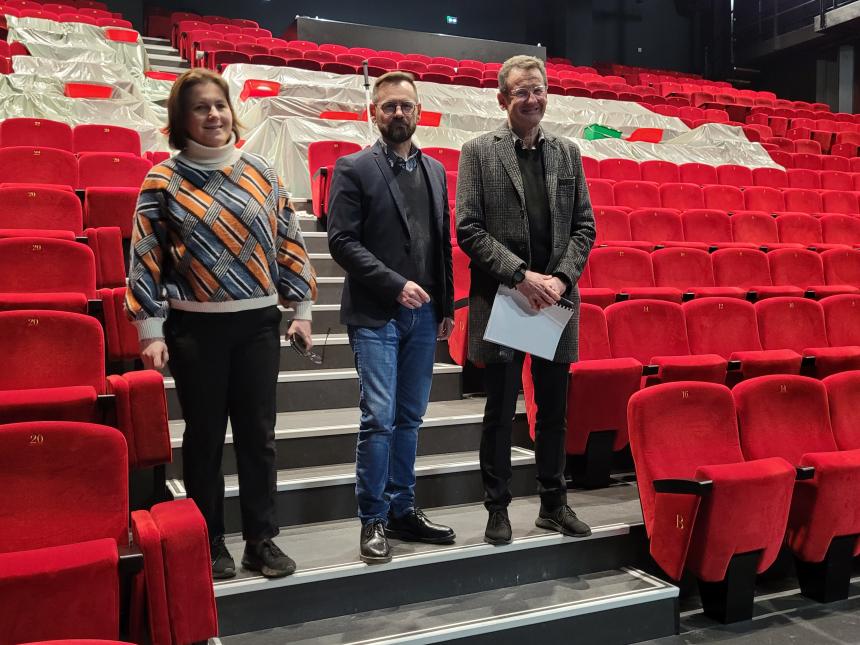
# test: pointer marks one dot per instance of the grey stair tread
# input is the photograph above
(309, 423)
(474, 613)
(339, 474)
(166, 48)
(330, 374)
(168, 68)
(152, 40)
(330, 549)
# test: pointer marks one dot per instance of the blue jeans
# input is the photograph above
(395, 370)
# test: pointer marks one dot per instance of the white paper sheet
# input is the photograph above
(513, 323)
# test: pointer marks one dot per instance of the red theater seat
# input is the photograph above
(597, 396)
(840, 229)
(843, 397)
(692, 476)
(690, 271)
(841, 266)
(835, 180)
(709, 226)
(654, 333)
(748, 269)
(764, 198)
(629, 271)
(112, 169)
(770, 177)
(36, 132)
(662, 172)
(802, 200)
(788, 417)
(600, 192)
(619, 169)
(34, 343)
(29, 165)
(659, 226)
(798, 324)
(40, 208)
(682, 196)
(78, 481)
(726, 198)
(799, 228)
(698, 173)
(322, 156)
(834, 201)
(842, 320)
(803, 268)
(448, 157)
(636, 194)
(106, 138)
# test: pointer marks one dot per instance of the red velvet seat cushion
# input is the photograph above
(75, 302)
(74, 403)
(701, 367)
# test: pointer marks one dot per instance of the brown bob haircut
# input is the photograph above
(177, 104)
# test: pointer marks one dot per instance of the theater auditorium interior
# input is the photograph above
(715, 402)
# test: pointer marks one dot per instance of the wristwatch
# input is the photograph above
(519, 276)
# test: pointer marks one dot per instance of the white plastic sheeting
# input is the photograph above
(281, 128)
(77, 71)
(66, 41)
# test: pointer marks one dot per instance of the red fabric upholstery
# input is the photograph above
(732, 175)
(187, 565)
(74, 480)
(840, 229)
(636, 194)
(803, 200)
(662, 172)
(788, 417)
(803, 178)
(106, 138)
(799, 228)
(841, 266)
(112, 169)
(798, 324)
(54, 592)
(36, 132)
(106, 244)
(835, 180)
(628, 271)
(111, 207)
(689, 270)
(149, 590)
(27, 164)
(843, 397)
(612, 224)
(72, 403)
(727, 327)
(40, 207)
(726, 198)
(682, 196)
(619, 169)
(754, 227)
(121, 335)
(63, 301)
(44, 265)
(654, 331)
(842, 319)
(748, 269)
(458, 342)
(688, 430)
(34, 343)
(833, 201)
(601, 192)
(656, 225)
(323, 154)
(698, 173)
(803, 268)
(141, 410)
(448, 157)
(710, 226)
(764, 198)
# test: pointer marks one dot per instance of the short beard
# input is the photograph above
(398, 132)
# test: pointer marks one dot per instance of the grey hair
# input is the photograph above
(519, 62)
(394, 77)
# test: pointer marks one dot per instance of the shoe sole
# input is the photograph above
(369, 559)
(552, 525)
(266, 571)
(224, 575)
(407, 537)
(497, 542)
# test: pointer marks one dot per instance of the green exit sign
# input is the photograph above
(451, 20)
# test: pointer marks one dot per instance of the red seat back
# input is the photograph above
(449, 157)
(843, 398)
(661, 172)
(754, 227)
(636, 194)
(642, 329)
(43, 265)
(619, 169)
(682, 268)
(616, 268)
(842, 266)
(106, 138)
(698, 173)
(706, 225)
(112, 169)
(36, 132)
(40, 207)
(798, 267)
(656, 225)
(721, 326)
(790, 323)
(798, 228)
(740, 268)
(842, 319)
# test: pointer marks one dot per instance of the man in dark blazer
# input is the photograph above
(389, 228)
(525, 220)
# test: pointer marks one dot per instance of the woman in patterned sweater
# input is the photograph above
(215, 247)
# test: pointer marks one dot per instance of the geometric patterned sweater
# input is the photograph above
(215, 241)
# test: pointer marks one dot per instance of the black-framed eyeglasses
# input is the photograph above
(406, 107)
(522, 93)
(299, 348)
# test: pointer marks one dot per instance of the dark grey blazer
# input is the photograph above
(492, 228)
(369, 236)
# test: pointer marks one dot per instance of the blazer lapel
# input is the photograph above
(505, 150)
(396, 193)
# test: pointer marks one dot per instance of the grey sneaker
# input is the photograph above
(268, 559)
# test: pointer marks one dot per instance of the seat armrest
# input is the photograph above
(805, 472)
(683, 486)
(130, 560)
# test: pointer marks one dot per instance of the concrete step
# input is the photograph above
(152, 40)
(315, 241)
(326, 319)
(164, 49)
(331, 581)
(171, 60)
(325, 493)
(171, 69)
(329, 290)
(324, 437)
(325, 265)
(601, 607)
(331, 388)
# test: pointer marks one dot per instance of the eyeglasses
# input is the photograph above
(522, 93)
(406, 107)
(299, 348)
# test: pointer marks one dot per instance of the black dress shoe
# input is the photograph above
(223, 566)
(498, 529)
(563, 520)
(374, 547)
(416, 527)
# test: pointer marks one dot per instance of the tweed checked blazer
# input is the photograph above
(492, 229)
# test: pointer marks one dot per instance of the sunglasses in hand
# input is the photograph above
(300, 347)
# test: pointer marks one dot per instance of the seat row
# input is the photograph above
(726, 478)
(81, 138)
(687, 195)
(679, 273)
(640, 343)
(64, 13)
(52, 166)
(710, 229)
(662, 172)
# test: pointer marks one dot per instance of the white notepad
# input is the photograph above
(513, 323)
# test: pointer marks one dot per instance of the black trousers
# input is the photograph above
(502, 384)
(226, 364)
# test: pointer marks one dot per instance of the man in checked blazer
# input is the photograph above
(525, 220)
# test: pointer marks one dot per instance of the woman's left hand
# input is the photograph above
(302, 329)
